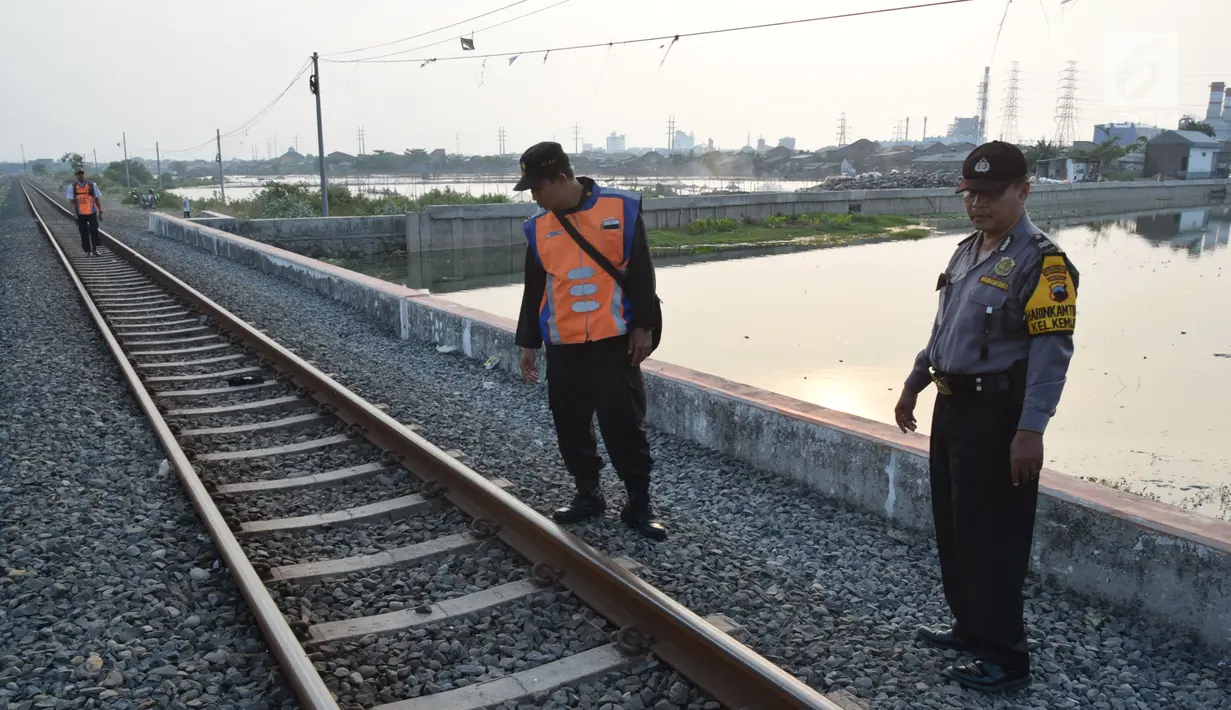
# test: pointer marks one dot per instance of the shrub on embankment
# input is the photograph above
(282, 201)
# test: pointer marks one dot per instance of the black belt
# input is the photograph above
(971, 384)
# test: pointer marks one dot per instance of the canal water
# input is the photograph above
(1145, 407)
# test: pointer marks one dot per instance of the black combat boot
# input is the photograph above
(637, 514)
(588, 503)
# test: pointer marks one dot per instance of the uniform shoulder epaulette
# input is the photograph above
(1046, 245)
(969, 239)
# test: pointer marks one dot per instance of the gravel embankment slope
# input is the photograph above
(108, 593)
(830, 594)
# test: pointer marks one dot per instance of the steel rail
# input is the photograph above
(299, 672)
(732, 673)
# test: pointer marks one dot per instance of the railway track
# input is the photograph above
(309, 492)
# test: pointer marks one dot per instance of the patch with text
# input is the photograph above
(1052, 307)
(1002, 285)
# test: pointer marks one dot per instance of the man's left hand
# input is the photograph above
(640, 345)
(1025, 456)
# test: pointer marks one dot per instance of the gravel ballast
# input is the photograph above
(109, 597)
(831, 594)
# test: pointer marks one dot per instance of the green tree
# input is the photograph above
(137, 172)
(178, 167)
(74, 159)
(40, 169)
(1188, 123)
(1043, 150)
(1137, 146)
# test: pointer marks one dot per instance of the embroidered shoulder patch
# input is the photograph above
(1052, 307)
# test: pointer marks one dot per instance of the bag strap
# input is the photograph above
(589, 249)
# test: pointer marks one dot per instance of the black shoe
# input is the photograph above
(585, 505)
(987, 677)
(944, 638)
(643, 522)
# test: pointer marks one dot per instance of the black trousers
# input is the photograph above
(599, 378)
(984, 523)
(87, 224)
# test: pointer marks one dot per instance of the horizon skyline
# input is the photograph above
(785, 81)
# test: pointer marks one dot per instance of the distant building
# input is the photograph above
(615, 144)
(683, 142)
(762, 146)
(587, 147)
(1124, 134)
(965, 129)
(1218, 112)
(1188, 155)
(787, 143)
(1068, 169)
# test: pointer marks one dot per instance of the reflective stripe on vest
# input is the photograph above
(582, 302)
(85, 197)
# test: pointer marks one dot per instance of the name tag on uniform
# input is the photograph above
(612, 223)
(985, 279)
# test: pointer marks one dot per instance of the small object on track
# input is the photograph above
(246, 380)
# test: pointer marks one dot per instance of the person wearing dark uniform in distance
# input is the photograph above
(998, 354)
(597, 329)
(87, 202)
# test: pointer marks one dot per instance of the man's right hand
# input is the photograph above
(529, 372)
(904, 410)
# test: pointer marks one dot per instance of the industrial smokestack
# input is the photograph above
(1216, 98)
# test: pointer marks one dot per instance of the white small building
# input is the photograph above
(1189, 155)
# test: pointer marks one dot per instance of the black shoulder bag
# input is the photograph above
(657, 333)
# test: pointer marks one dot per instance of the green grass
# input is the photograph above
(281, 200)
(804, 230)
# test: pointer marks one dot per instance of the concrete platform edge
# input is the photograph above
(1132, 552)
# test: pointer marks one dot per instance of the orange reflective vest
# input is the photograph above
(581, 302)
(84, 195)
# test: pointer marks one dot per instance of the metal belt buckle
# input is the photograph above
(941, 386)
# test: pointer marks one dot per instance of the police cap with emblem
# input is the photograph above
(541, 161)
(992, 167)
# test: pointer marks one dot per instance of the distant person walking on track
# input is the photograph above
(590, 297)
(999, 355)
(187, 208)
(87, 201)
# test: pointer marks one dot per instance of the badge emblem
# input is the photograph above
(1004, 266)
(982, 166)
(523, 167)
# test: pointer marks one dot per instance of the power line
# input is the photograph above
(661, 38)
(251, 122)
(444, 41)
(429, 32)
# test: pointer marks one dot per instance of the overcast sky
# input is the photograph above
(173, 72)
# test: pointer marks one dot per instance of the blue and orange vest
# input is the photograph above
(582, 303)
(84, 196)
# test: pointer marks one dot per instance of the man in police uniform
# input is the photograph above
(998, 354)
(598, 327)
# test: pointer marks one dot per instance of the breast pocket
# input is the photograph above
(989, 305)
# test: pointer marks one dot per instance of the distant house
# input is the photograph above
(1187, 155)
(340, 159)
(1068, 169)
(940, 161)
(856, 152)
(885, 162)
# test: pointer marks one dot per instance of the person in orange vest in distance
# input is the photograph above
(589, 295)
(87, 202)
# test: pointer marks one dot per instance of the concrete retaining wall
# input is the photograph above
(1136, 553)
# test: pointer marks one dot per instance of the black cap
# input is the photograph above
(992, 167)
(79, 171)
(541, 161)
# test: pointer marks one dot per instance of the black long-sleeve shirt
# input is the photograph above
(639, 285)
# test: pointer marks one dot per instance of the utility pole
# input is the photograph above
(670, 135)
(501, 138)
(457, 146)
(127, 182)
(95, 161)
(981, 107)
(24, 165)
(925, 129)
(907, 139)
(361, 135)
(314, 83)
(296, 142)
(158, 158)
(576, 138)
(842, 131)
(222, 186)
